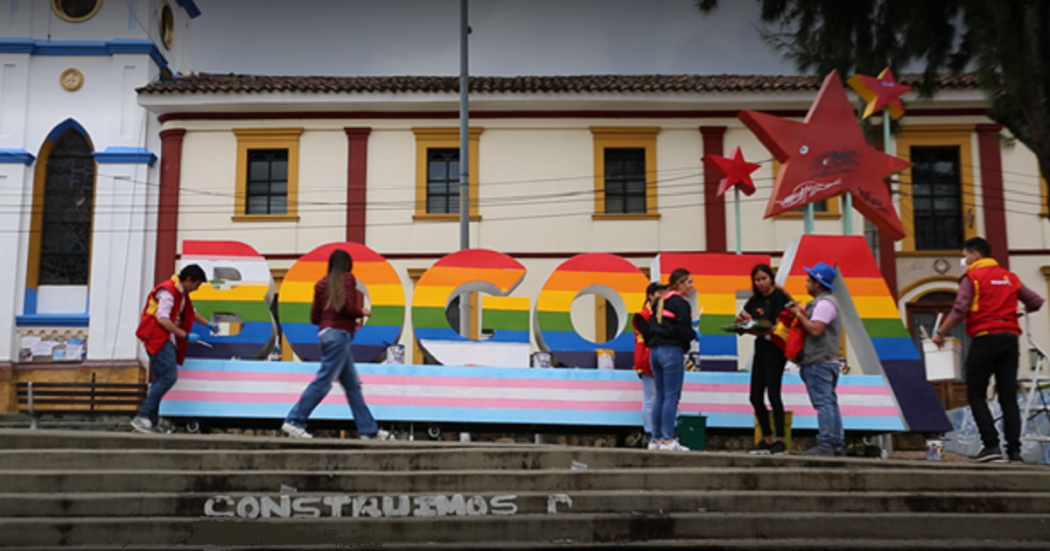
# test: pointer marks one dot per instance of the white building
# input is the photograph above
(78, 175)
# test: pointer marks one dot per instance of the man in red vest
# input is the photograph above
(166, 330)
(987, 300)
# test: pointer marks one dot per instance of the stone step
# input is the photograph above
(381, 457)
(797, 544)
(278, 505)
(583, 528)
(468, 481)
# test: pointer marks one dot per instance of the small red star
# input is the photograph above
(880, 92)
(825, 156)
(735, 169)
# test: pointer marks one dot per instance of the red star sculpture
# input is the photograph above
(880, 92)
(735, 169)
(825, 156)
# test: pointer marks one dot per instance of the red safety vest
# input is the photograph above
(641, 350)
(150, 332)
(994, 306)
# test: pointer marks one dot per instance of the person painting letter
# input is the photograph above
(165, 329)
(987, 301)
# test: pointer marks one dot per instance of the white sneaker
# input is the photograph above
(381, 435)
(654, 445)
(295, 432)
(143, 425)
(674, 446)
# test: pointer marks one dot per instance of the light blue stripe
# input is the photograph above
(249, 366)
(341, 412)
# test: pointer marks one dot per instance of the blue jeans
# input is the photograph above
(165, 373)
(648, 398)
(337, 363)
(820, 379)
(668, 362)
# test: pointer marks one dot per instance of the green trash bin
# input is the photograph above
(692, 432)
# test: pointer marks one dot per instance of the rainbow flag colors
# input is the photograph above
(718, 278)
(375, 276)
(248, 295)
(460, 273)
(620, 282)
(871, 320)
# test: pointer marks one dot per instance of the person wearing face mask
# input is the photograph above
(767, 365)
(671, 334)
(987, 301)
(819, 361)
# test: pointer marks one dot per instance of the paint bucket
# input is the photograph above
(934, 449)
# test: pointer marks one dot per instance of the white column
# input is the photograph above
(118, 247)
(16, 199)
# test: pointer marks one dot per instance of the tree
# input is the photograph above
(1005, 43)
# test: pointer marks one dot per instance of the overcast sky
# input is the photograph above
(510, 37)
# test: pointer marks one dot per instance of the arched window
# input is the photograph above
(68, 204)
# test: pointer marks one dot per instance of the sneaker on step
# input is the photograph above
(989, 455)
(778, 448)
(143, 425)
(840, 451)
(762, 448)
(381, 435)
(1014, 457)
(673, 446)
(654, 445)
(295, 432)
(820, 451)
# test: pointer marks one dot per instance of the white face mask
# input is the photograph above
(963, 264)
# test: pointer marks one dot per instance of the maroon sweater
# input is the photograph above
(345, 319)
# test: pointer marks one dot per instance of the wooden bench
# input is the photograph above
(94, 397)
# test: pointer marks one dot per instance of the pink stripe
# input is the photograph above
(385, 400)
(501, 403)
(847, 411)
(415, 380)
(486, 382)
(723, 388)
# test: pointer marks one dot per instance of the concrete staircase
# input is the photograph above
(98, 490)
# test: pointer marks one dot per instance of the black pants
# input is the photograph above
(997, 355)
(767, 370)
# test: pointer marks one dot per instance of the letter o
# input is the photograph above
(248, 507)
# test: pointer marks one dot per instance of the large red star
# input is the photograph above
(735, 170)
(880, 92)
(825, 156)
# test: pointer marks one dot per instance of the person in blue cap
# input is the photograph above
(819, 360)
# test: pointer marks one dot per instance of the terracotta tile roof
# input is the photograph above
(206, 83)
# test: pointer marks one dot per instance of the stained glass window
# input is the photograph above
(69, 191)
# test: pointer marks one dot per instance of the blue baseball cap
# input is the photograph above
(823, 273)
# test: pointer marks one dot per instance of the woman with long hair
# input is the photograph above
(640, 322)
(336, 311)
(671, 334)
(768, 361)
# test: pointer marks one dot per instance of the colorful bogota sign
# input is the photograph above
(242, 289)
(874, 326)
